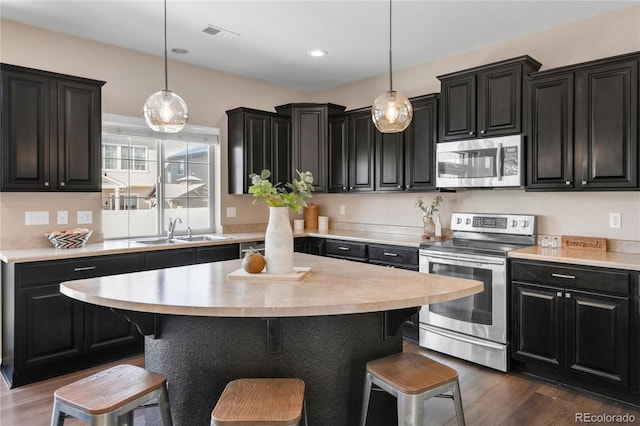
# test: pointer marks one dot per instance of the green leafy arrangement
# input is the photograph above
(428, 210)
(288, 195)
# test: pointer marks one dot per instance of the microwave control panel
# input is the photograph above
(494, 223)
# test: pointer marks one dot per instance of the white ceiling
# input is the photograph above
(274, 36)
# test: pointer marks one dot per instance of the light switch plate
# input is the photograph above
(36, 218)
(63, 217)
(85, 217)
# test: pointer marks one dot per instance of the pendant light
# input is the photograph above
(164, 111)
(391, 112)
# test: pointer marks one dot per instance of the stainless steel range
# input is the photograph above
(475, 327)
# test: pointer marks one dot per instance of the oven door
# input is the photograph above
(482, 315)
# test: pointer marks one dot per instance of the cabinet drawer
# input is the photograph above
(346, 249)
(218, 253)
(566, 276)
(65, 270)
(393, 254)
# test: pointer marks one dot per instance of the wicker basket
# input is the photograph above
(75, 240)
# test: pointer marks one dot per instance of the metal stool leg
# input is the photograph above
(365, 399)
(165, 409)
(410, 409)
(457, 401)
(57, 417)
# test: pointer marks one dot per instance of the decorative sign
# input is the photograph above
(584, 243)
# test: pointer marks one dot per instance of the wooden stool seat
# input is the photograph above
(111, 394)
(412, 378)
(253, 402)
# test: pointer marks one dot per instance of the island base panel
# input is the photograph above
(200, 355)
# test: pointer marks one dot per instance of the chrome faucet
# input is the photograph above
(172, 226)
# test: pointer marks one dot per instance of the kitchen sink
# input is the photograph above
(203, 238)
(157, 240)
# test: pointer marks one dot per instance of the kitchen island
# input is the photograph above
(322, 329)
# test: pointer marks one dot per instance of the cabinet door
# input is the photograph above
(597, 336)
(458, 108)
(79, 134)
(26, 110)
(537, 319)
(309, 143)
(218, 253)
(49, 326)
(257, 136)
(499, 101)
(361, 151)
(389, 170)
(550, 132)
(169, 258)
(607, 126)
(106, 330)
(420, 141)
(339, 154)
(281, 144)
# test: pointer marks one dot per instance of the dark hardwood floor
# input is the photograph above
(489, 397)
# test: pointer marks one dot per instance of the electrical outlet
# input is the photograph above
(36, 218)
(614, 220)
(343, 210)
(63, 217)
(85, 217)
(231, 212)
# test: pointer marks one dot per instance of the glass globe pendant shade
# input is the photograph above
(164, 111)
(391, 112)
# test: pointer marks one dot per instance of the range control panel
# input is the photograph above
(517, 224)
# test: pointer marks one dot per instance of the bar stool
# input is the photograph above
(264, 402)
(109, 397)
(412, 379)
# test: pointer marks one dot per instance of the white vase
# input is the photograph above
(278, 241)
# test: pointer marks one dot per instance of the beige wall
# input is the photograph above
(132, 76)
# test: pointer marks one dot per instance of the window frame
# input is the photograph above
(124, 126)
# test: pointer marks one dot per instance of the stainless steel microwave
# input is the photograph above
(481, 163)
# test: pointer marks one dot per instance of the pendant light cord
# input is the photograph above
(390, 72)
(166, 68)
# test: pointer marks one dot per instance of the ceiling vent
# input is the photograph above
(216, 31)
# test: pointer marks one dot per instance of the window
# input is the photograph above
(149, 177)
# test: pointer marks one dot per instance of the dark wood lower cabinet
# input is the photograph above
(575, 325)
(45, 333)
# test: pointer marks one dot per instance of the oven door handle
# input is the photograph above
(462, 338)
(483, 261)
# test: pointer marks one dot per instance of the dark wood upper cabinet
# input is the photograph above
(484, 101)
(339, 154)
(361, 151)
(583, 126)
(257, 140)
(420, 140)
(51, 131)
(310, 138)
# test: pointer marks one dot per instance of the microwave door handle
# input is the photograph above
(499, 161)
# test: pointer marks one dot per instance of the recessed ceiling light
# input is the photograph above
(317, 53)
(179, 50)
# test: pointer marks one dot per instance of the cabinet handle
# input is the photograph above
(351, 188)
(471, 133)
(559, 294)
(344, 188)
(391, 254)
(567, 295)
(408, 186)
(399, 186)
(567, 182)
(344, 248)
(569, 277)
(62, 183)
(84, 268)
(482, 132)
(46, 184)
(584, 182)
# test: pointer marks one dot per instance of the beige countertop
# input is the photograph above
(332, 287)
(630, 261)
(127, 246)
